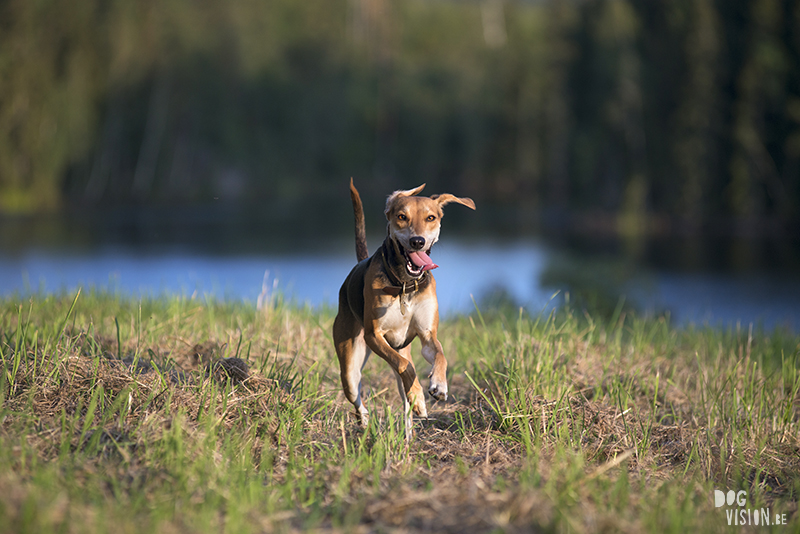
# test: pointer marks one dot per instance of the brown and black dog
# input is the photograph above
(389, 298)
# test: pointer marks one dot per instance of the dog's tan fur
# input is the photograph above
(383, 306)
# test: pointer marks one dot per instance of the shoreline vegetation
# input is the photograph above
(174, 414)
(653, 117)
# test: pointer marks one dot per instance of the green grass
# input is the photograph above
(110, 422)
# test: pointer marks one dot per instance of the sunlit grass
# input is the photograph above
(113, 420)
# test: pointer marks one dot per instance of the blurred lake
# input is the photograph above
(510, 271)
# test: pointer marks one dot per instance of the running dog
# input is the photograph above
(389, 298)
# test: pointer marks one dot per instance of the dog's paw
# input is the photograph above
(362, 416)
(417, 400)
(438, 392)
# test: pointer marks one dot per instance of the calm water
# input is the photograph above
(468, 269)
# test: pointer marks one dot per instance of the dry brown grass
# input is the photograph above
(549, 428)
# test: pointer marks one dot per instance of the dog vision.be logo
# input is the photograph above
(739, 515)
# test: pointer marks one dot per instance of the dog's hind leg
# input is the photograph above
(360, 356)
(408, 414)
(353, 354)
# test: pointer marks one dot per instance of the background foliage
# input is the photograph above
(642, 115)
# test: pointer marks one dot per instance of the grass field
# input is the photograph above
(124, 415)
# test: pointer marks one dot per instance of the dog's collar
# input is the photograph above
(400, 287)
(407, 288)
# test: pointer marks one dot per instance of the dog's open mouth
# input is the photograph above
(417, 262)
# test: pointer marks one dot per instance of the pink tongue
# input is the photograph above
(421, 259)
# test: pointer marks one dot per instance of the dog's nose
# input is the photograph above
(417, 242)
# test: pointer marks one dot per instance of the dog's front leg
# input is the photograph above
(433, 353)
(403, 367)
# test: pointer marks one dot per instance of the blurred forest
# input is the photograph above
(638, 116)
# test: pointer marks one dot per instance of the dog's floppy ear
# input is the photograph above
(400, 193)
(447, 198)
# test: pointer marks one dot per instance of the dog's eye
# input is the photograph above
(402, 217)
(431, 218)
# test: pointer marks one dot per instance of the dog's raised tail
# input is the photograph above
(361, 233)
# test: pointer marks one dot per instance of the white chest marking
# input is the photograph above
(394, 324)
(398, 327)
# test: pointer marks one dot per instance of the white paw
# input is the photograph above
(438, 391)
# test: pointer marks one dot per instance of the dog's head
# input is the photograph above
(414, 224)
